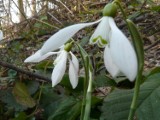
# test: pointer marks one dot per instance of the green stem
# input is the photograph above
(88, 98)
(119, 5)
(84, 96)
(86, 63)
(135, 97)
(85, 59)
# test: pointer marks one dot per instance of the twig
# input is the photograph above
(66, 7)
(153, 44)
(144, 3)
(55, 18)
(7, 65)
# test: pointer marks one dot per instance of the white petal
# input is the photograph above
(37, 57)
(1, 35)
(62, 36)
(101, 32)
(122, 52)
(59, 70)
(109, 63)
(59, 56)
(75, 61)
(73, 74)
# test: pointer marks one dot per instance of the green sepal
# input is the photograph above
(110, 10)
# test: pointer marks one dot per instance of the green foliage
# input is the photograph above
(69, 109)
(7, 97)
(50, 100)
(149, 101)
(66, 83)
(116, 105)
(22, 95)
(153, 71)
(32, 86)
(102, 81)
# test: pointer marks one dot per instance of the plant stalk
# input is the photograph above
(135, 97)
(88, 98)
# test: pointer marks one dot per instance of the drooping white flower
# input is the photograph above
(60, 65)
(122, 53)
(119, 54)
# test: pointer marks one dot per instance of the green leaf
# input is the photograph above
(32, 86)
(69, 109)
(50, 100)
(7, 97)
(154, 71)
(116, 105)
(135, 15)
(66, 83)
(84, 56)
(149, 101)
(102, 80)
(22, 95)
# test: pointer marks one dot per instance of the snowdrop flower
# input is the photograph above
(60, 65)
(119, 55)
(1, 35)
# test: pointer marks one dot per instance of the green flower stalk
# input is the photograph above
(138, 44)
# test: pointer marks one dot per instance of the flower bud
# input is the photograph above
(110, 10)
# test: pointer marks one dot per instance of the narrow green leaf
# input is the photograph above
(138, 43)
